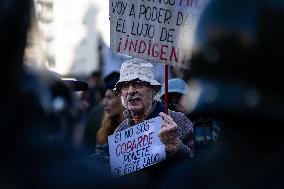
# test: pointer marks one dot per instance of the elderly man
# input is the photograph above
(137, 89)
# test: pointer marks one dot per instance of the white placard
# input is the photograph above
(155, 30)
(136, 147)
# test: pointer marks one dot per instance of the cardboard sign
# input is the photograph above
(136, 147)
(155, 30)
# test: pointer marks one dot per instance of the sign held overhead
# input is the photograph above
(155, 30)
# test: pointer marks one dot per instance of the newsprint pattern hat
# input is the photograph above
(137, 69)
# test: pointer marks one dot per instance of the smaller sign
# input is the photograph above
(136, 147)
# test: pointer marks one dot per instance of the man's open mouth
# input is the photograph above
(134, 99)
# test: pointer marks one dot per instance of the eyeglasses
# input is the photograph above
(135, 83)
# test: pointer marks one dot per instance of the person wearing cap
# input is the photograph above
(137, 89)
(176, 89)
(206, 129)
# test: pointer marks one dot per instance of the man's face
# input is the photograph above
(137, 97)
(174, 101)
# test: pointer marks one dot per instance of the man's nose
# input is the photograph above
(131, 88)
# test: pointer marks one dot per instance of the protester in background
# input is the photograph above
(97, 113)
(95, 88)
(238, 73)
(94, 123)
(206, 129)
(113, 116)
(176, 89)
(91, 97)
(137, 89)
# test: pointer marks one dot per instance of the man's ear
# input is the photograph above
(156, 96)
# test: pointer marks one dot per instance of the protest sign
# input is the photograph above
(155, 30)
(136, 147)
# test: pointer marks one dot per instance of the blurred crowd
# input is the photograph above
(54, 131)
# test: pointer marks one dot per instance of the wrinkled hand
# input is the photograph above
(169, 134)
